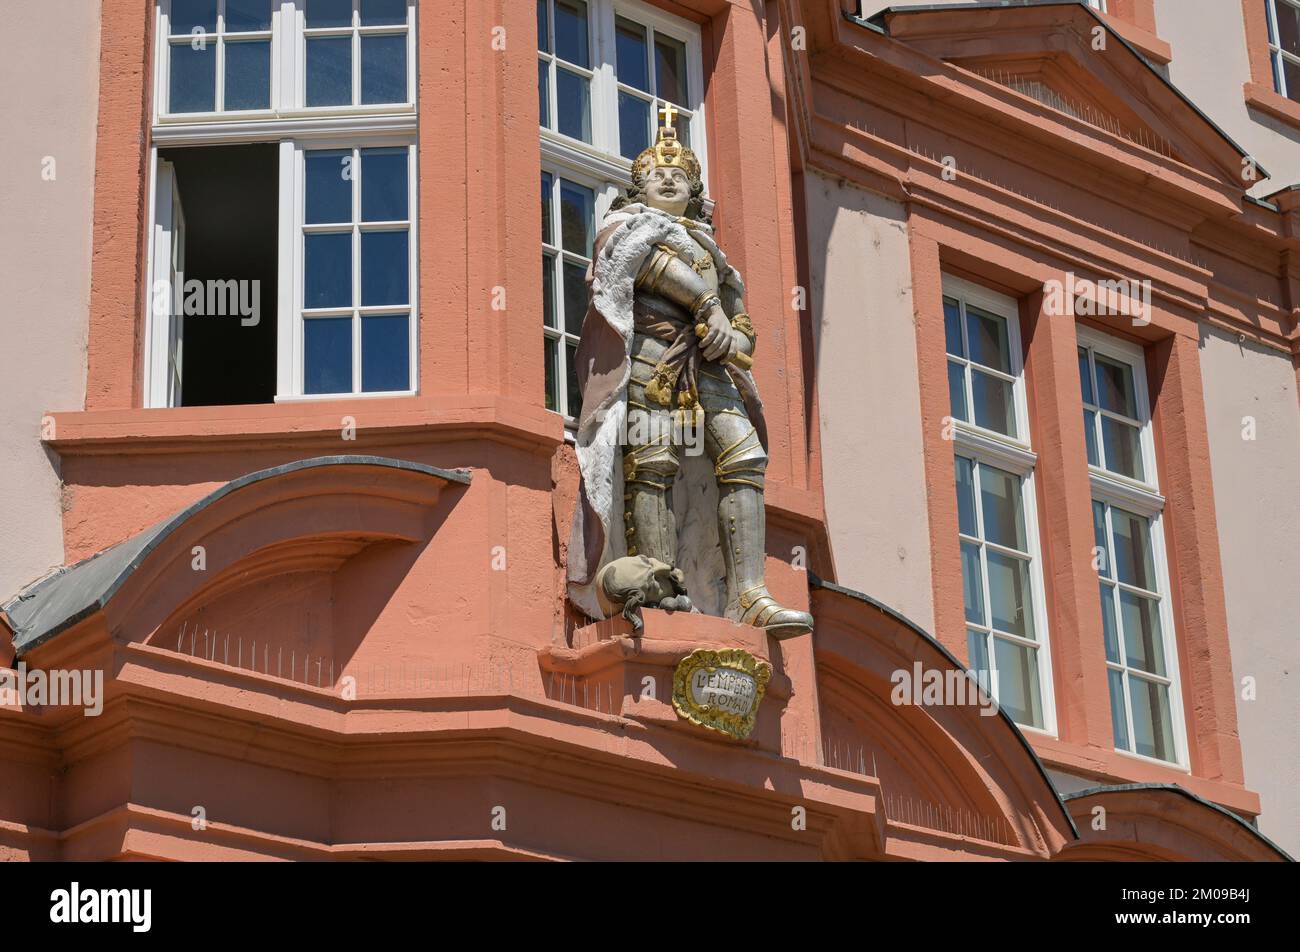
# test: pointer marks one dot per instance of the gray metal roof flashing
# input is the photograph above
(66, 597)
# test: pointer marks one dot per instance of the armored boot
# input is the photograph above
(740, 465)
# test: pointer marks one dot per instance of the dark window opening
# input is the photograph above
(230, 198)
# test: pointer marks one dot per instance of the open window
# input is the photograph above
(283, 254)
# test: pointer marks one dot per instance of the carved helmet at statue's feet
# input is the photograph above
(761, 610)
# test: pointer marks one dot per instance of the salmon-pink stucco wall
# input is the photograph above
(49, 63)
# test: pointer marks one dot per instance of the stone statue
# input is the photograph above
(664, 366)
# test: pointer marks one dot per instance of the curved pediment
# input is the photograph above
(1160, 822)
(302, 517)
(960, 770)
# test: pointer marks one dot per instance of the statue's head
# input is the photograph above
(666, 176)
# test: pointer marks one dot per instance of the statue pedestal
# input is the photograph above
(613, 672)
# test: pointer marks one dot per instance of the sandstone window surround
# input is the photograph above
(1284, 46)
(1133, 574)
(323, 80)
(604, 69)
(1002, 576)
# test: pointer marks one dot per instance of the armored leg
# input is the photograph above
(650, 465)
(740, 464)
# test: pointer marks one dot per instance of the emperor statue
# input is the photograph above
(665, 355)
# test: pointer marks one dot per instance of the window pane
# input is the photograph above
(329, 71)
(543, 94)
(385, 353)
(1292, 72)
(972, 577)
(977, 647)
(1133, 555)
(548, 290)
(328, 271)
(1018, 691)
(383, 185)
(633, 125)
(248, 75)
(382, 12)
(573, 105)
(989, 344)
(552, 361)
(385, 268)
(1085, 379)
(994, 405)
(575, 297)
(1123, 446)
(1090, 436)
(575, 395)
(1143, 646)
(577, 218)
(966, 497)
(952, 328)
(547, 186)
(193, 83)
(571, 32)
(190, 14)
(1118, 717)
(243, 16)
(633, 63)
(1009, 599)
(670, 70)
(1108, 628)
(1153, 729)
(329, 187)
(329, 13)
(1288, 28)
(327, 355)
(383, 68)
(1004, 515)
(1115, 386)
(957, 391)
(1099, 539)
(543, 27)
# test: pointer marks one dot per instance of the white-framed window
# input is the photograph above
(1284, 46)
(1132, 569)
(1002, 578)
(1099, 5)
(315, 196)
(222, 59)
(605, 68)
(355, 331)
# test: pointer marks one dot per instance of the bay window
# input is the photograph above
(604, 70)
(1137, 620)
(1006, 626)
(284, 166)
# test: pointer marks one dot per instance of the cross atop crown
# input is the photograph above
(667, 112)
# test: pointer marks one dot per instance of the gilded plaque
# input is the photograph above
(721, 690)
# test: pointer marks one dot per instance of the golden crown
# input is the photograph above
(667, 152)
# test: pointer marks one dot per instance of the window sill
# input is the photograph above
(1146, 42)
(1274, 104)
(313, 424)
(1111, 766)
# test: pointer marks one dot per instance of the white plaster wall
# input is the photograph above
(1210, 66)
(49, 69)
(865, 344)
(1259, 524)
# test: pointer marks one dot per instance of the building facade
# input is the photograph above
(290, 466)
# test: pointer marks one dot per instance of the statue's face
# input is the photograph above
(668, 189)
